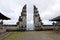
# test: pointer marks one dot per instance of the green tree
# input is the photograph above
(58, 22)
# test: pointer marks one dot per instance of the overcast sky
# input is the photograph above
(48, 9)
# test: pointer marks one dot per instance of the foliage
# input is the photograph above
(58, 22)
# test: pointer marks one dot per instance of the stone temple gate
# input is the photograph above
(22, 19)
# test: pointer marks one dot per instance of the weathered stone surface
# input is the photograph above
(37, 19)
(22, 24)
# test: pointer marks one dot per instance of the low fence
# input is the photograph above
(48, 27)
(45, 27)
(51, 27)
(11, 27)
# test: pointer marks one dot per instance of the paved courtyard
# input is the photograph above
(34, 35)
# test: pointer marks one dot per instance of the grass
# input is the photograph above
(14, 36)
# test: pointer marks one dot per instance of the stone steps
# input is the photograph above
(3, 35)
(2, 31)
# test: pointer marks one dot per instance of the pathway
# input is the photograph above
(37, 35)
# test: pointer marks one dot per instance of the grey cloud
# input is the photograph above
(45, 7)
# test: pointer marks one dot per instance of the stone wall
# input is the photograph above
(51, 27)
(48, 26)
(2, 29)
(11, 27)
(45, 27)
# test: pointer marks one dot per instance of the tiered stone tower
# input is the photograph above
(37, 19)
(22, 19)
